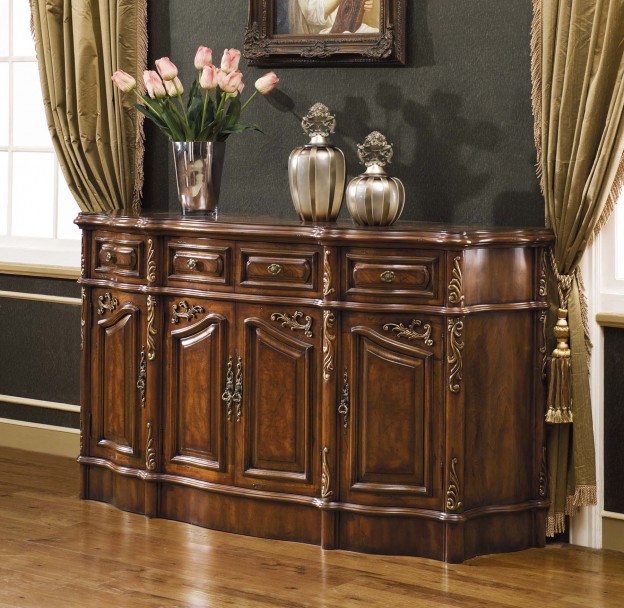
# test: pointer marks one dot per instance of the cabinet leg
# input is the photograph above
(454, 543)
(84, 482)
(328, 529)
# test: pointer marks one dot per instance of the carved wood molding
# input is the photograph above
(543, 282)
(327, 274)
(150, 450)
(410, 332)
(454, 358)
(329, 338)
(107, 302)
(151, 263)
(292, 322)
(453, 494)
(151, 330)
(182, 310)
(456, 286)
(326, 490)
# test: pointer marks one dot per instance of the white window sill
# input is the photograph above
(40, 257)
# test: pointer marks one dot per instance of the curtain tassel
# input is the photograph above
(559, 388)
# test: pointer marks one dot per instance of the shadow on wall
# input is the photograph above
(433, 157)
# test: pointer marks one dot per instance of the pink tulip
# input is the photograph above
(203, 57)
(209, 78)
(166, 68)
(174, 87)
(229, 83)
(267, 83)
(123, 81)
(241, 88)
(230, 60)
(154, 85)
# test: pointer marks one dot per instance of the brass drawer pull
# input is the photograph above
(388, 276)
(274, 269)
(110, 257)
(192, 264)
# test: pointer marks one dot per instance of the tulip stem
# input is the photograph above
(204, 112)
(247, 102)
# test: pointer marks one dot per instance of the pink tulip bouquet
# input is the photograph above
(213, 109)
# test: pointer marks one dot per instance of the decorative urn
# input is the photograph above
(374, 198)
(317, 171)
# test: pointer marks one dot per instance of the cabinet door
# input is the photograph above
(391, 439)
(116, 402)
(195, 416)
(280, 422)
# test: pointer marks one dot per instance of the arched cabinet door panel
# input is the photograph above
(391, 445)
(276, 435)
(116, 429)
(195, 415)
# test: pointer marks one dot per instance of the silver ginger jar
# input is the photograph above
(317, 171)
(374, 198)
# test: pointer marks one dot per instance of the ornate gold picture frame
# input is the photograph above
(325, 32)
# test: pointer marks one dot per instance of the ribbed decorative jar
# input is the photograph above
(198, 167)
(374, 198)
(317, 171)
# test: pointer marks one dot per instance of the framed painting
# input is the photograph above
(325, 32)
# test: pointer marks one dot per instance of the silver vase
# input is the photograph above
(374, 198)
(317, 171)
(198, 168)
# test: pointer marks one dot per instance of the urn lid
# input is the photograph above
(375, 152)
(318, 123)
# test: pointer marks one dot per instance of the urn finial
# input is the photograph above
(375, 150)
(319, 121)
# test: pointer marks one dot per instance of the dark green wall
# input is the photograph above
(459, 113)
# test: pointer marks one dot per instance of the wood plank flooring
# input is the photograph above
(56, 550)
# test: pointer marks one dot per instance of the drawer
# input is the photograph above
(199, 261)
(378, 273)
(295, 269)
(118, 256)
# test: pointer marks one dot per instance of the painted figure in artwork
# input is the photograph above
(314, 17)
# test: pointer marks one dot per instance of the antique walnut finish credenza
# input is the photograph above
(378, 390)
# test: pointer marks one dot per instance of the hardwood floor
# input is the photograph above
(56, 550)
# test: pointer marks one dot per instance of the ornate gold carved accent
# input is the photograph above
(326, 490)
(107, 302)
(453, 494)
(228, 393)
(383, 47)
(151, 330)
(456, 286)
(455, 328)
(543, 318)
(410, 332)
(82, 264)
(142, 381)
(238, 390)
(151, 263)
(83, 322)
(150, 452)
(345, 402)
(543, 282)
(184, 311)
(543, 476)
(256, 45)
(327, 275)
(293, 322)
(329, 320)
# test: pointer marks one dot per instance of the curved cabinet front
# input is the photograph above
(320, 384)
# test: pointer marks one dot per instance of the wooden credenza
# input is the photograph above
(378, 390)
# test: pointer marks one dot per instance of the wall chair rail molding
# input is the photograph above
(286, 359)
(32, 270)
(280, 33)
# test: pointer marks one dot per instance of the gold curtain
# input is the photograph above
(97, 134)
(578, 104)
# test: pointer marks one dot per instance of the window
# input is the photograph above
(36, 206)
(611, 262)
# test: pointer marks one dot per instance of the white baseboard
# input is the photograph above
(53, 440)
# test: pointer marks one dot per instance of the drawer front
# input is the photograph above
(296, 269)
(199, 262)
(411, 275)
(119, 256)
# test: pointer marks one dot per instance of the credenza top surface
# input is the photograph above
(403, 233)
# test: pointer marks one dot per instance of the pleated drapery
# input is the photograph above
(578, 104)
(96, 132)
